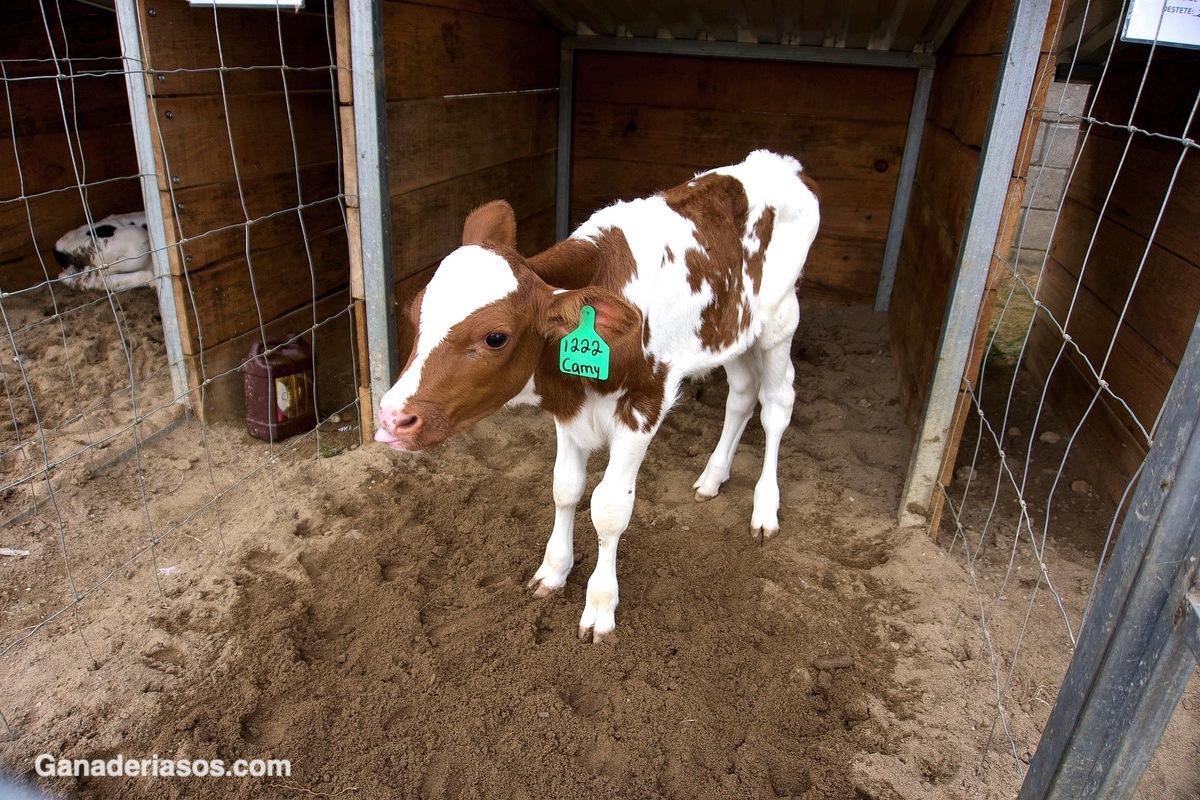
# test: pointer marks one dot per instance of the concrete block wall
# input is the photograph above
(1053, 153)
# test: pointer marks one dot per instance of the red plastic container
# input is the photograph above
(279, 390)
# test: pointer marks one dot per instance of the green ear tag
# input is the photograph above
(582, 351)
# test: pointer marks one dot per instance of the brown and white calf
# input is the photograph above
(700, 276)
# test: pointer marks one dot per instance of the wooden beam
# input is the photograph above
(185, 55)
(90, 101)
(435, 52)
(1167, 296)
(227, 302)
(702, 138)
(426, 144)
(341, 37)
(211, 216)
(1135, 194)
(433, 216)
(1136, 372)
(803, 90)
(1010, 96)
(201, 150)
(50, 161)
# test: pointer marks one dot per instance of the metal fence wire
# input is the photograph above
(1065, 414)
(100, 384)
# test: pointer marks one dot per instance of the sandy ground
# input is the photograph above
(362, 612)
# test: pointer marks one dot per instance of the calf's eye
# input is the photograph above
(496, 340)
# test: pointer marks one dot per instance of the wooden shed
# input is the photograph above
(303, 174)
(311, 186)
(903, 112)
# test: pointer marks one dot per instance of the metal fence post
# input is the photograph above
(143, 138)
(1013, 88)
(1135, 652)
(374, 202)
(566, 121)
(904, 187)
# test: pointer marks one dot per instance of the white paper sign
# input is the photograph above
(1180, 22)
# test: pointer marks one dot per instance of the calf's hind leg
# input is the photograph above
(777, 395)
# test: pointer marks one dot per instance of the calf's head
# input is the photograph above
(482, 324)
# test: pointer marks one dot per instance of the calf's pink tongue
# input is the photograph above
(383, 436)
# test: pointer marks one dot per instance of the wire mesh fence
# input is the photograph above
(1093, 315)
(117, 461)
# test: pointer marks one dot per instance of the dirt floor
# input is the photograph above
(362, 612)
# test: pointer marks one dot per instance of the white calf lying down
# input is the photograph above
(700, 276)
(115, 252)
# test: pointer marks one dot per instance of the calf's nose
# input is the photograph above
(397, 423)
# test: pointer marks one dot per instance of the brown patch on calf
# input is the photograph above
(573, 263)
(810, 183)
(638, 379)
(644, 391)
(718, 207)
(570, 264)
(762, 231)
(463, 380)
(617, 265)
(493, 223)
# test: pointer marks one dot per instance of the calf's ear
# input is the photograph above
(491, 223)
(616, 320)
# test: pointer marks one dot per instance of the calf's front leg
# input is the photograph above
(570, 478)
(612, 506)
(743, 377)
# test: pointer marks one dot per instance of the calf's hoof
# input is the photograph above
(541, 588)
(702, 497)
(593, 636)
(763, 534)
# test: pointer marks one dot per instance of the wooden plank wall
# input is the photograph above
(56, 135)
(472, 109)
(248, 169)
(1150, 340)
(646, 123)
